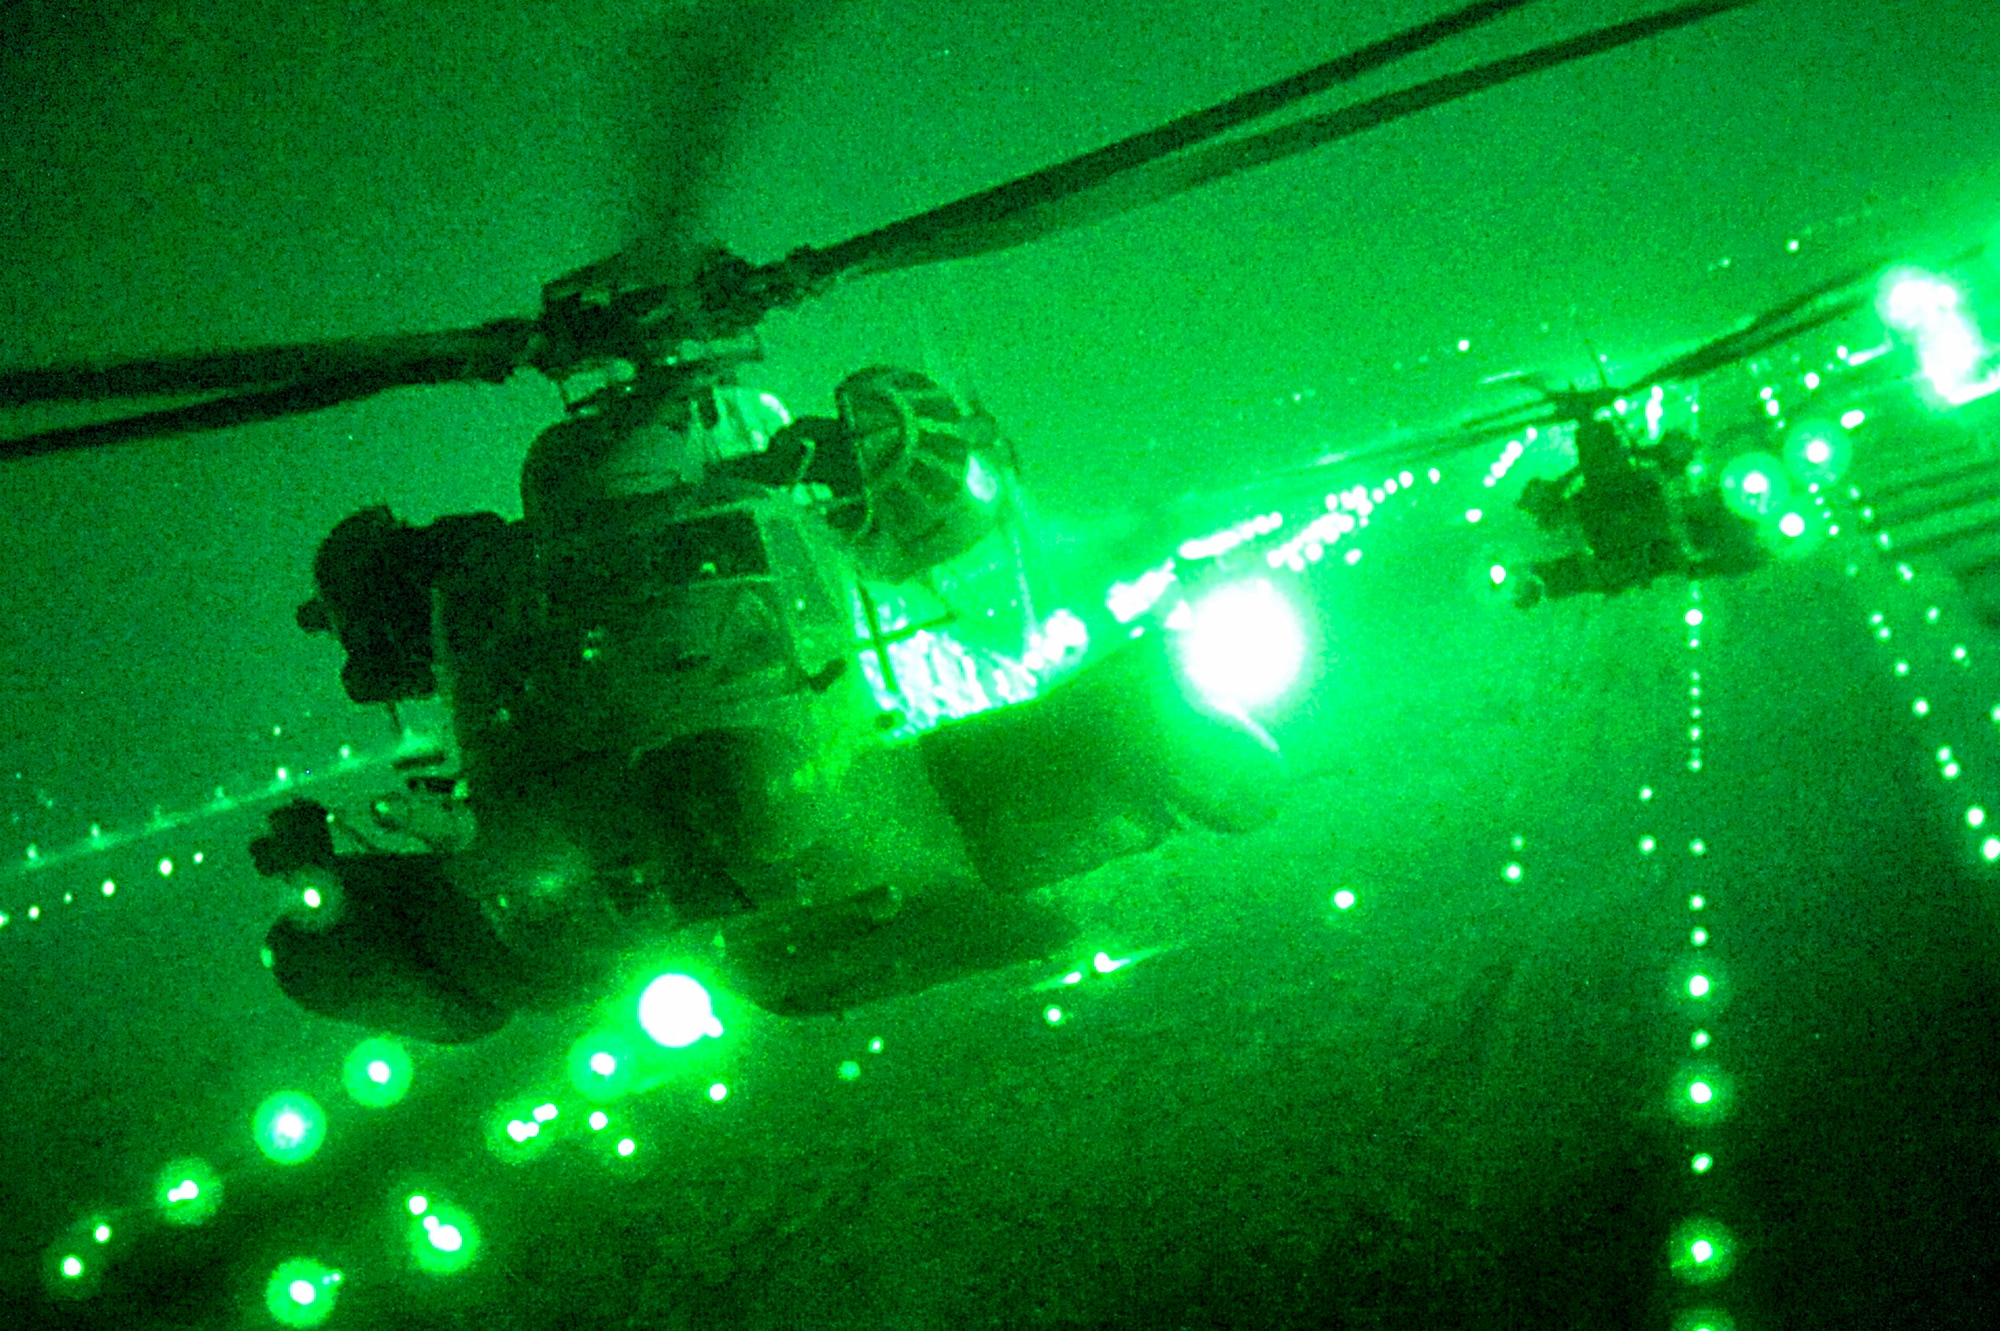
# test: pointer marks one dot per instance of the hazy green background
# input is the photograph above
(185, 176)
(190, 176)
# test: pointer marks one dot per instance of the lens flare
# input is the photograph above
(676, 1011)
(1243, 645)
(1930, 312)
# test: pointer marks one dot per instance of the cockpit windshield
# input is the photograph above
(713, 548)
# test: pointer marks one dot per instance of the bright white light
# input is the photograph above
(1128, 600)
(1929, 311)
(675, 1010)
(980, 482)
(1243, 646)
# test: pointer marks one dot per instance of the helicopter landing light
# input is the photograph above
(1243, 645)
(1930, 312)
(675, 1010)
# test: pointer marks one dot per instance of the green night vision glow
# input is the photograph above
(1931, 313)
(676, 1011)
(187, 1192)
(522, 1130)
(1817, 453)
(1703, 1319)
(1793, 531)
(289, 1127)
(443, 1239)
(1242, 646)
(301, 1292)
(603, 1065)
(377, 1073)
(1754, 485)
(1701, 1251)
(70, 1270)
(73, 1264)
(1702, 1094)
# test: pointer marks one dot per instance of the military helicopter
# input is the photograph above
(678, 692)
(1642, 501)
(1637, 508)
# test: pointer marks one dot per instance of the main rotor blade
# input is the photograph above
(270, 367)
(1036, 206)
(1789, 318)
(1768, 328)
(943, 232)
(491, 352)
(487, 353)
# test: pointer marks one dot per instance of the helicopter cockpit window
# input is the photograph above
(707, 549)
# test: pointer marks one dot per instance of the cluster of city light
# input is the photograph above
(1509, 455)
(1220, 543)
(1244, 644)
(1128, 600)
(670, 1012)
(36, 865)
(1956, 361)
(932, 677)
(1312, 541)
(1782, 496)
(1946, 672)
(1347, 512)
